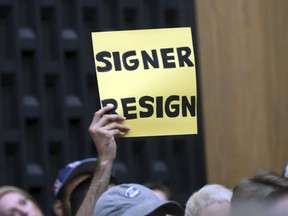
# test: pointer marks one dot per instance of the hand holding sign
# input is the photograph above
(103, 129)
(149, 76)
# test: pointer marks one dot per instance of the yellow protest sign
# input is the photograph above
(150, 77)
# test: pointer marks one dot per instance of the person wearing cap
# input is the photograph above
(134, 200)
(125, 199)
(68, 178)
(103, 129)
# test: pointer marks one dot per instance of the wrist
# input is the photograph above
(105, 161)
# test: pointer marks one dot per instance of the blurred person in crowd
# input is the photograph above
(125, 199)
(134, 199)
(210, 200)
(103, 129)
(78, 194)
(17, 202)
(160, 189)
(279, 202)
(67, 179)
(259, 187)
(257, 195)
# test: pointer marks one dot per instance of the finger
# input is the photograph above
(106, 119)
(98, 115)
(118, 126)
(118, 133)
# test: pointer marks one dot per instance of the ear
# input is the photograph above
(58, 208)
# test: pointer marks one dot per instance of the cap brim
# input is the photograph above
(86, 167)
(169, 207)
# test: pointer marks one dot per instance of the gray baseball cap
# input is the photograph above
(133, 200)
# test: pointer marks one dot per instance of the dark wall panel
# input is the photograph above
(48, 94)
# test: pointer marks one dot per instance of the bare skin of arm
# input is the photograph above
(103, 129)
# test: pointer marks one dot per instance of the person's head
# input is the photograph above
(260, 187)
(17, 202)
(279, 202)
(211, 200)
(134, 199)
(253, 195)
(160, 190)
(68, 178)
(78, 195)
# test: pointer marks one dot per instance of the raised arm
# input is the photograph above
(103, 129)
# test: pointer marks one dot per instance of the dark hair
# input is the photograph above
(113, 180)
(63, 190)
(279, 194)
(254, 194)
(260, 187)
(78, 195)
(159, 186)
(61, 195)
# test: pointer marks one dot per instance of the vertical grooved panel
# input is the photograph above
(29, 73)
(52, 97)
(75, 139)
(48, 34)
(12, 155)
(9, 106)
(32, 138)
(6, 34)
(68, 13)
(71, 73)
(26, 10)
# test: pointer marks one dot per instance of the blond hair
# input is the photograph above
(207, 196)
(8, 189)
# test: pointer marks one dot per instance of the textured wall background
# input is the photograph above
(48, 94)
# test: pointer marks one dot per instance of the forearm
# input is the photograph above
(103, 129)
(99, 185)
